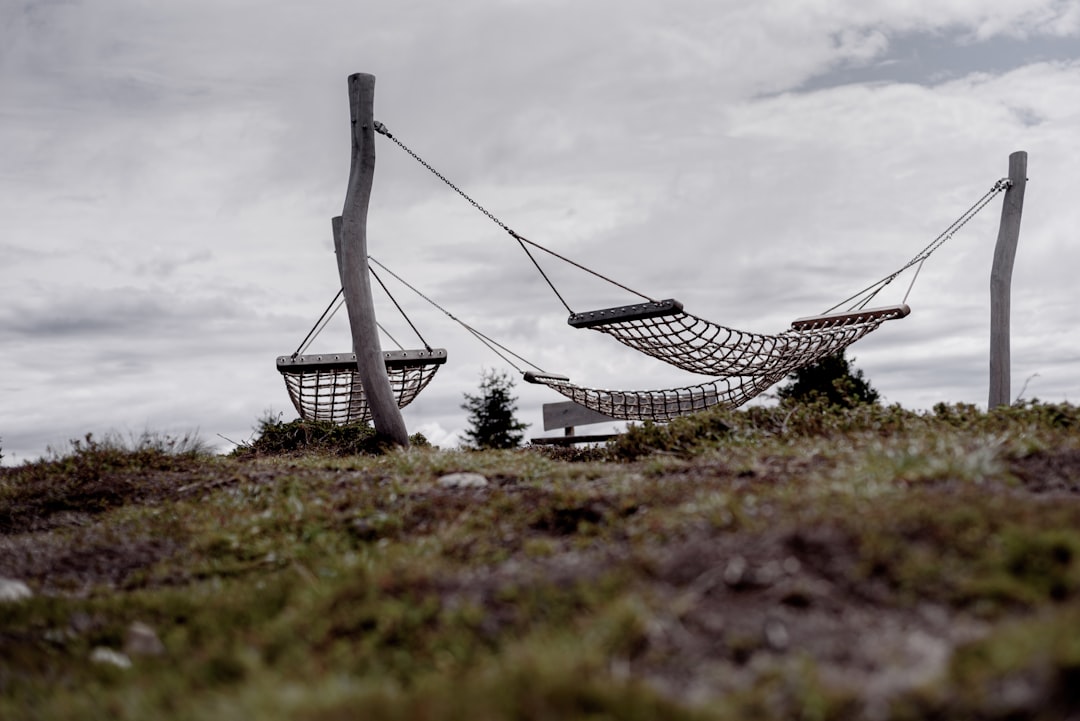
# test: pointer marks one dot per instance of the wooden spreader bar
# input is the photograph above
(851, 317)
(534, 377)
(622, 313)
(347, 361)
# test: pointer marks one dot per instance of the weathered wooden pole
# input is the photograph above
(1001, 280)
(353, 265)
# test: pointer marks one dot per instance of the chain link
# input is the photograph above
(868, 293)
(999, 186)
(382, 130)
(522, 240)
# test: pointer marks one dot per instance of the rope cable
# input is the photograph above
(325, 320)
(392, 338)
(400, 310)
(544, 275)
(522, 240)
(874, 288)
(319, 324)
(913, 278)
(382, 129)
(332, 309)
(866, 294)
(492, 344)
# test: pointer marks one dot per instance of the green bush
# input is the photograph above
(492, 424)
(832, 380)
(298, 437)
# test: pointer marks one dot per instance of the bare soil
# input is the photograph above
(725, 604)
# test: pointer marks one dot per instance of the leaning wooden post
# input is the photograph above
(1001, 280)
(353, 264)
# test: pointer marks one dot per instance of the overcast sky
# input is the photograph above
(168, 172)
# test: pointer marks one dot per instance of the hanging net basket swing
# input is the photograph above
(327, 387)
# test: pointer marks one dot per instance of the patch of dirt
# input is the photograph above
(723, 607)
(49, 504)
(74, 562)
(1056, 471)
(738, 602)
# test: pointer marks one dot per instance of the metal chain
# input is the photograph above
(873, 289)
(999, 186)
(522, 240)
(382, 130)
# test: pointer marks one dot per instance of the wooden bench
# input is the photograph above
(568, 415)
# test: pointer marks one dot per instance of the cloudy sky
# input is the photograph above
(168, 172)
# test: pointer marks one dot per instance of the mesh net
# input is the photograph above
(661, 405)
(747, 364)
(700, 346)
(336, 395)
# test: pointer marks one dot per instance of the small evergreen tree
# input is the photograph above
(491, 414)
(831, 380)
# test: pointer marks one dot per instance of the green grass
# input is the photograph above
(788, 562)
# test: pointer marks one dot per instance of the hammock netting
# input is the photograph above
(744, 364)
(701, 346)
(657, 405)
(747, 364)
(327, 387)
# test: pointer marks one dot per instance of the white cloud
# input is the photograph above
(167, 175)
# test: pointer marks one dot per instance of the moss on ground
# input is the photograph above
(770, 563)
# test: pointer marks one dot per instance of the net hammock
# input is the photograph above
(666, 332)
(745, 364)
(657, 405)
(748, 363)
(810, 338)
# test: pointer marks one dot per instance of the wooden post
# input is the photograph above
(1001, 280)
(353, 265)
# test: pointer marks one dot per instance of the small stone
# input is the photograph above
(776, 635)
(735, 571)
(12, 590)
(463, 480)
(102, 654)
(768, 574)
(80, 622)
(142, 641)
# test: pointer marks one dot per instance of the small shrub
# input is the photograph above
(691, 434)
(90, 457)
(492, 424)
(681, 436)
(571, 454)
(93, 476)
(277, 438)
(832, 381)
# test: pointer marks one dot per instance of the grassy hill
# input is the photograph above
(790, 562)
